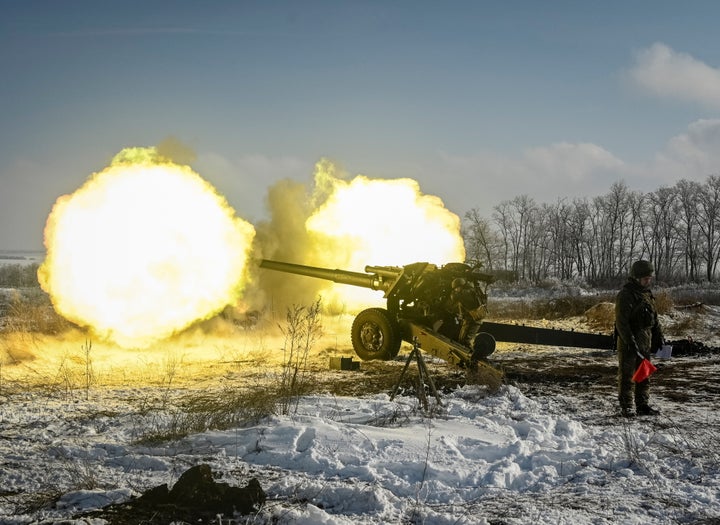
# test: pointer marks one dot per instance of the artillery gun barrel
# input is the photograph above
(363, 280)
(391, 272)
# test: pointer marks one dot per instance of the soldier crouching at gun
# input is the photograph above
(468, 304)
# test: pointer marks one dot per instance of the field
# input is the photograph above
(86, 429)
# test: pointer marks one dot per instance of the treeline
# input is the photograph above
(19, 275)
(676, 228)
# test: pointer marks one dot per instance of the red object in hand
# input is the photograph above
(643, 371)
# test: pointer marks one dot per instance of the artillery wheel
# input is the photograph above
(483, 345)
(375, 335)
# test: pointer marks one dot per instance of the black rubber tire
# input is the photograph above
(483, 346)
(375, 335)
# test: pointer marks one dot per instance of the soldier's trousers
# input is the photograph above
(627, 390)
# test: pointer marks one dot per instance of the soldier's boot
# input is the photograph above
(625, 398)
(642, 398)
(627, 412)
(647, 410)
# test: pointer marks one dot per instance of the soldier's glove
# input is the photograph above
(657, 339)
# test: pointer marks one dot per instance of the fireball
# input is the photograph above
(384, 222)
(387, 222)
(143, 250)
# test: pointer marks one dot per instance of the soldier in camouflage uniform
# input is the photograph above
(638, 333)
(468, 304)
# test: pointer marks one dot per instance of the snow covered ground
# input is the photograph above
(501, 458)
(549, 453)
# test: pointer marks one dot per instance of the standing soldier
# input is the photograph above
(638, 332)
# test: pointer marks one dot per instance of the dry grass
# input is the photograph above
(301, 331)
(663, 302)
(210, 409)
(485, 375)
(688, 294)
(598, 310)
(543, 308)
(17, 347)
(31, 311)
(680, 327)
(204, 410)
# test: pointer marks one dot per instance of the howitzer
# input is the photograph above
(439, 307)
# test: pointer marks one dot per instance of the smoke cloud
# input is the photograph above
(285, 237)
(347, 223)
(174, 150)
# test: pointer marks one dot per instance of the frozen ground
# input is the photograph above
(546, 448)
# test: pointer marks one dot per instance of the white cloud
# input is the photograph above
(570, 162)
(567, 170)
(692, 155)
(668, 73)
(548, 173)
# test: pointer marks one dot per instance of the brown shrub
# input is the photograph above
(663, 302)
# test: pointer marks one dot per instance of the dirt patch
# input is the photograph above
(579, 381)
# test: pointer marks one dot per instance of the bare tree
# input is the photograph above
(709, 205)
(501, 216)
(514, 218)
(688, 199)
(579, 235)
(537, 245)
(601, 239)
(613, 229)
(481, 243)
(523, 208)
(560, 238)
(661, 233)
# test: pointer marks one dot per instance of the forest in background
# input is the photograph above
(597, 239)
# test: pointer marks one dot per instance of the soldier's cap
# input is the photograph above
(641, 268)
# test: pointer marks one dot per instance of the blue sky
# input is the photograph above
(479, 101)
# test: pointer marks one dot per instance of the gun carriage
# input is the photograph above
(439, 308)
